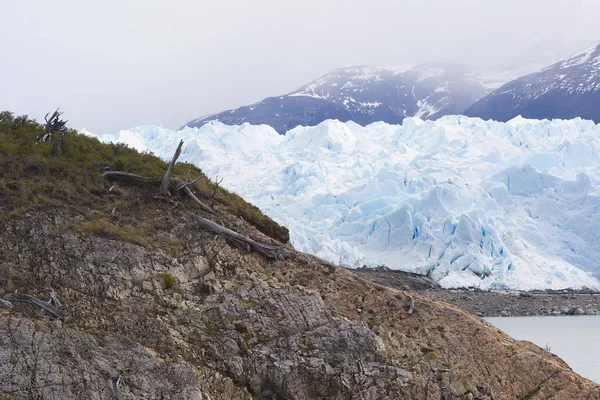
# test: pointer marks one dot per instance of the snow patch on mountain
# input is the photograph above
(469, 202)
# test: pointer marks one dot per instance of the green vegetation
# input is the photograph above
(170, 281)
(37, 176)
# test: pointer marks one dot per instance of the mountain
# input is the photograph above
(567, 89)
(364, 95)
(151, 305)
(470, 203)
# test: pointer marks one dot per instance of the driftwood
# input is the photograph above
(5, 303)
(243, 242)
(121, 173)
(164, 187)
(185, 186)
(58, 313)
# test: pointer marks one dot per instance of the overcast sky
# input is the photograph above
(115, 64)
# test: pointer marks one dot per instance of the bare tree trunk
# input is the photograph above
(164, 187)
(243, 242)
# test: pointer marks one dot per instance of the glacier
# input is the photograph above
(471, 203)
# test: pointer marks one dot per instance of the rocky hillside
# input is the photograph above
(565, 90)
(364, 95)
(160, 308)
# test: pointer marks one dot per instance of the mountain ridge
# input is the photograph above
(367, 94)
(363, 94)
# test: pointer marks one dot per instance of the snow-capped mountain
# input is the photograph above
(567, 89)
(364, 95)
(469, 202)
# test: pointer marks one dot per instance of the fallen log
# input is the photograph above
(60, 314)
(121, 173)
(243, 242)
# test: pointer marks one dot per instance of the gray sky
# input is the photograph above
(115, 64)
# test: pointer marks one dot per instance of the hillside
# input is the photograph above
(565, 90)
(363, 95)
(160, 308)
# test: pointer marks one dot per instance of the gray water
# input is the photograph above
(575, 339)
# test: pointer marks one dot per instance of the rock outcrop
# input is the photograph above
(189, 317)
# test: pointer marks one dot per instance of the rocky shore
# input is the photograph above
(491, 303)
(511, 303)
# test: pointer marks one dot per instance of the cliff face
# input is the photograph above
(189, 317)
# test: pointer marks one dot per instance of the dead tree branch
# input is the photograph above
(164, 187)
(215, 188)
(53, 299)
(181, 185)
(5, 303)
(184, 183)
(243, 242)
(58, 313)
(54, 125)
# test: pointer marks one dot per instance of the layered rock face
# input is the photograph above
(187, 316)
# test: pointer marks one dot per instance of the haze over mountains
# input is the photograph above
(368, 94)
(567, 89)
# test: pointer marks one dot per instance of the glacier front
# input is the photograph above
(472, 203)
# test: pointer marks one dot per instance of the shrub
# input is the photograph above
(170, 281)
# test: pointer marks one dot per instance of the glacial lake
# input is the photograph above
(575, 339)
